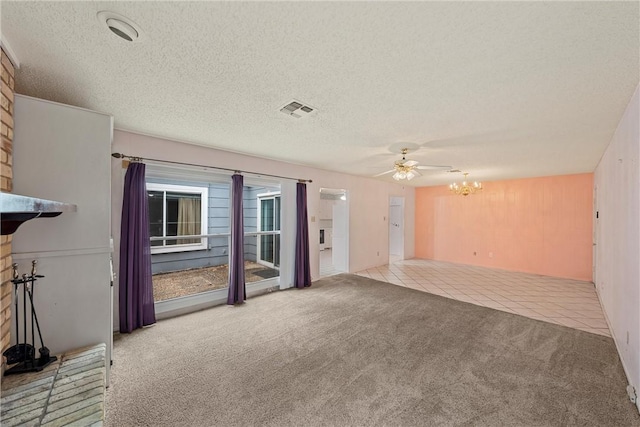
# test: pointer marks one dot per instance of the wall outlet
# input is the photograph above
(631, 392)
(378, 253)
(490, 254)
(313, 219)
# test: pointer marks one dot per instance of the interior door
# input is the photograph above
(396, 227)
(596, 236)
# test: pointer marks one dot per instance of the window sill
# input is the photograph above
(177, 249)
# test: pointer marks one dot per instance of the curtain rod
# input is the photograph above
(139, 159)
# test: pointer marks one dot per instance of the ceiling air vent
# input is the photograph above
(297, 109)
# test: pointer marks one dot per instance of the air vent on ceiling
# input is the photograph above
(297, 109)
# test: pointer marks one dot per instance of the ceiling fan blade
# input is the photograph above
(412, 174)
(410, 163)
(432, 167)
(384, 173)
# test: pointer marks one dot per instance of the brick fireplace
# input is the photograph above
(6, 185)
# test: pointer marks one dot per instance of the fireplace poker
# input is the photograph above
(33, 335)
(15, 281)
(24, 311)
(15, 298)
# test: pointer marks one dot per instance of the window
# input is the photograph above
(177, 210)
(269, 221)
(178, 268)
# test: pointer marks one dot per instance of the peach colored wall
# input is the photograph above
(534, 225)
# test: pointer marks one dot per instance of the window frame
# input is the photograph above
(269, 195)
(204, 216)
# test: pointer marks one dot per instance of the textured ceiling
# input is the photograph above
(500, 90)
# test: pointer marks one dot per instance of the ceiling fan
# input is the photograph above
(408, 169)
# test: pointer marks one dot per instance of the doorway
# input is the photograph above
(333, 239)
(396, 229)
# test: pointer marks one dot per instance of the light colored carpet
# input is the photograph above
(354, 351)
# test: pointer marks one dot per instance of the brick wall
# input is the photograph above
(6, 185)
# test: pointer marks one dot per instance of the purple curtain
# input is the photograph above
(237, 289)
(302, 270)
(136, 287)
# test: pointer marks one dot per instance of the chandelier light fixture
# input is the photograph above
(465, 188)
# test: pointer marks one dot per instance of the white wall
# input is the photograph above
(369, 198)
(617, 238)
(62, 153)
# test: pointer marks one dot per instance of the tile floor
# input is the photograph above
(326, 263)
(567, 302)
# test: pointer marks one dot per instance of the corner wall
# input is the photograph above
(6, 185)
(617, 238)
(535, 225)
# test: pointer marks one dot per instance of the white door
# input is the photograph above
(396, 228)
(268, 251)
(596, 236)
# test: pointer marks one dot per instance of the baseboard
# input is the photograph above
(615, 342)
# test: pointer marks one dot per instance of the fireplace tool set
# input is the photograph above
(22, 353)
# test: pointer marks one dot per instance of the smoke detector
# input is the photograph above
(120, 25)
(297, 109)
